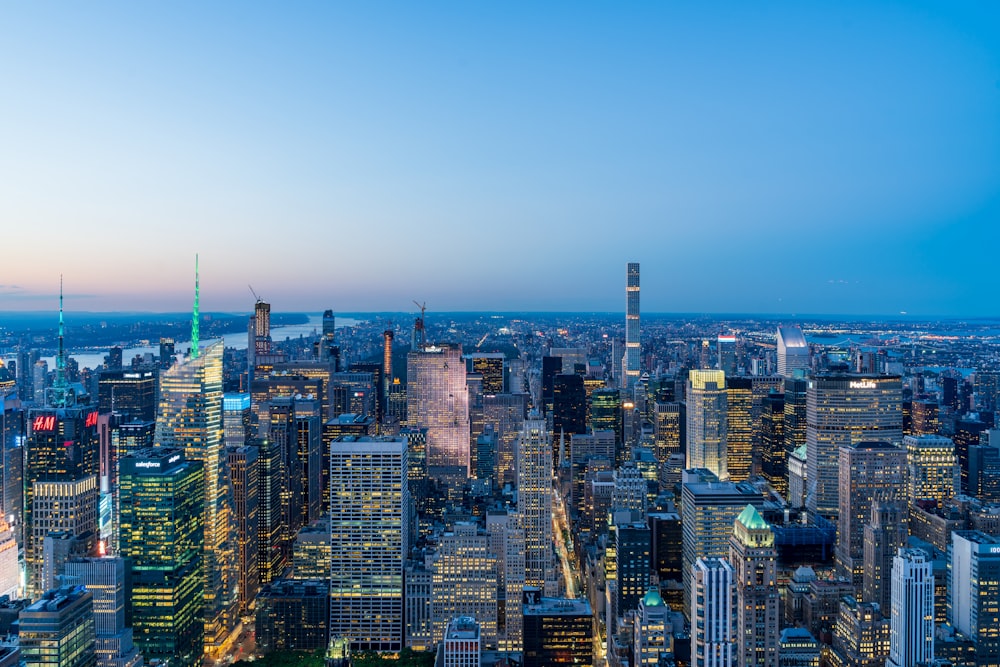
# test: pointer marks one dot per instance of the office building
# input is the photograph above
(793, 351)
(58, 629)
(237, 419)
(974, 591)
(798, 648)
(796, 412)
(461, 645)
(190, 418)
(707, 422)
(491, 366)
(244, 471)
(631, 566)
(61, 466)
(845, 410)
(709, 509)
(557, 631)
(272, 558)
(569, 405)
(437, 398)
(739, 427)
(161, 499)
(506, 414)
(773, 447)
(652, 642)
(868, 471)
(534, 500)
(106, 580)
(861, 638)
(370, 538)
(932, 468)
(293, 615)
(911, 641)
(131, 394)
(884, 534)
(755, 574)
(465, 582)
(311, 551)
(712, 624)
(924, 418)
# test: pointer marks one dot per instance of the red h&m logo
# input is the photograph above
(91, 419)
(44, 423)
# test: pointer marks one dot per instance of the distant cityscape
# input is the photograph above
(498, 489)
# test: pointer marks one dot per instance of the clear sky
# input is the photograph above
(799, 157)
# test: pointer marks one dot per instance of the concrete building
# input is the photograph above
(713, 643)
(911, 641)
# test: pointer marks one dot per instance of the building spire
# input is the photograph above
(58, 394)
(194, 314)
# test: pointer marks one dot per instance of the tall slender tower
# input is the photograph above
(911, 641)
(707, 422)
(190, 418)
(437, 398)
(534, 499)
(755, 564)
(633, 349)
(712, 641)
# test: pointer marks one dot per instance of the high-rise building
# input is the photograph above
(709, 509)
(465, 582)
(10, 570)
(796, 417)
(190, 418)
(726, 354)
(974, 591)
(237, 419)
(861, 638)
(271, 558)
(557, 631)
(924, 418)
(437, 398)
(311, 551)
(884, 534)
(569, 405)
(244, 470)
(755, 572)
(534, 500)
(106, 580)
(868, 471)
(911, 641)
(131, 393)
(932, 467)
(739, 427)
(293, 615)
(161, 499)
(773, 445)
(845, 410)
(707, 422)
(793, 351)
(713, 643)
(462, 643)
(651, 639)
(606, 415)
(490, 365)
(58, 629)
(506, 413)
(370, 539)
(633, 348)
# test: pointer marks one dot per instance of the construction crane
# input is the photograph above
(418, 326)
(259, 300)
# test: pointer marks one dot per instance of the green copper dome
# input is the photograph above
(652, 599)
(752, 519)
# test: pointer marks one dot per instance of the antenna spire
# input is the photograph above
(194, 314)
(58, 394)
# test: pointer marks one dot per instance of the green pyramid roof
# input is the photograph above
(652, 599)
(752, 519)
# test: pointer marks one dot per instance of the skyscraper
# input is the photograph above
(244, 469)
(58, 629)
(437, 398)
(534, 500)
(712, 640)
(869, 471)
(911, 641)
(162, 498)
(739, 427)
(370, 539)
(932, 467)
(884, 534)
(105, 579)
(707, 416)
(974, 591)
(709, 509)
(843, 410)
(793, 351)
(190, 418)
(633, 349)
(755, 571)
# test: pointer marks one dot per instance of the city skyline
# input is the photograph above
(856, 146)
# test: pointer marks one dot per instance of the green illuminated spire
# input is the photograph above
(194, 314)
(59, 386)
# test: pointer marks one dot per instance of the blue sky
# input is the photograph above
(754, 157)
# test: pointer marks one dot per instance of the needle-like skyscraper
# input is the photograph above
(633, 350)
